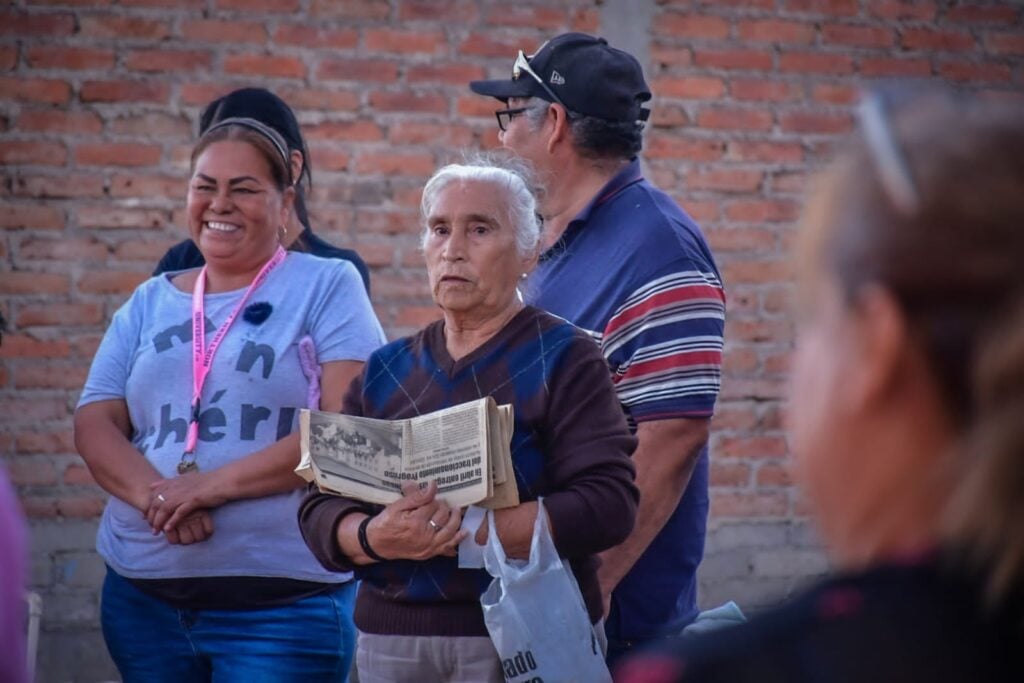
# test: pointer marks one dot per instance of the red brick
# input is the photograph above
(28, 346)
(311, 99)
(693, 87)
(762, 211)
(117, 154)
(73, 3)
(377, 255)
(404, 42)
(120, 27)
(407, 287)
(431, 10)
(85, 345)
(270, 6)
(586, 20)
(8, 57)
(985, 72)
(29, 443)
(742, 360)
(149, 186)
(16, 152)
(31, 472)
(359, 130)
(789, 182)
(392, 163)
(78, 475)
(694, 26)
(35, 90)
(815, 122)
(152, 124)
(776, 31)
(168, 60)
(489, 45)
(740, 239)
(778, 363)
(725, 504)
(732, 417)
(64, 249)
(59, 187)
(30, 216)
(307, 36)
(108, 217)
(816, 63)
(835, 93)
(740, 60)
(231, 31)
(374, 70)
(770, 474)
(81, 507)
(670, 55)
(901, 10)
(408, 101)
(758, 330)
(846, 8)
(110, 281)
(933, 40)
(766, 151)
(452, 73)
(725, 180)
(59, 121)
(857, 35)
(324, 157)
(477, 106)
(28, 282)
(722, 474)
(413, 133)
(692, 149)
(56, 57)
(36, 507)
(51, 376)
(373, 220)
(200, 94)
(351, 9)
(894, 67)
(125, 91)
(142, 250)
(983, 14)
(25, 24)
(170, 4)
(1005, 43)
(59, 314)
(669, 116)
(761, 90)
(532, 17)
(417, 316)
(757, 271)
(274, 66)
(735, 119)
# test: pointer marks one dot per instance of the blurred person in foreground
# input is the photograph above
(13, 565)
(187, 419)
(269, 109)
(906, 414)
(418, 613)
(623, 261)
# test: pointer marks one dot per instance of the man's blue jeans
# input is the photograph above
(310, 640)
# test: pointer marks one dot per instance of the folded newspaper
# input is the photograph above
(465, 449)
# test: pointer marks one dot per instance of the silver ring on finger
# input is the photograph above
(434, 525)
(161, 498)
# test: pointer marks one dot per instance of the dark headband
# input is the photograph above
(264, 130)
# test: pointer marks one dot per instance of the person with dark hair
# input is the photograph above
(905, 411)
(622, 260)
(188, 419)
(266, 107)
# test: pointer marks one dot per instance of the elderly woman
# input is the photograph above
(418, 614)
(186, 419)
(907, 413)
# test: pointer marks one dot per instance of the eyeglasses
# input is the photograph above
(505, 117)
(521, 64)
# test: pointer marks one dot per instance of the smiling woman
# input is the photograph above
(200, 465)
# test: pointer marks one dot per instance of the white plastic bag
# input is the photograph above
(536, 616)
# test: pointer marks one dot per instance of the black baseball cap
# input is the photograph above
(581, 72)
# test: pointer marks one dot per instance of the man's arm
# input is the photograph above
(665, 458)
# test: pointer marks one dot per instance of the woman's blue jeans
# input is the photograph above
(310, 640)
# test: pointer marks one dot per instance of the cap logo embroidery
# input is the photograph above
(556, 78)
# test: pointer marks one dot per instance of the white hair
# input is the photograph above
(512, 175)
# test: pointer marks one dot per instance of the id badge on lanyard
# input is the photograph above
(202, 356)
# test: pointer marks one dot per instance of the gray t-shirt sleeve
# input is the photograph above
(342, 322)
(108, 375)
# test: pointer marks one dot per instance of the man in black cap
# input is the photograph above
(623, 261)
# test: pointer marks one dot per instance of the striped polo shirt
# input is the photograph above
(634, 271)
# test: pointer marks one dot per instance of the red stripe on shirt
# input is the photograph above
(676, 360)
(674, 295)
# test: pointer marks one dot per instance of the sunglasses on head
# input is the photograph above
(522, 65)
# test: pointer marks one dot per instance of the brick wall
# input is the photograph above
(98, 104)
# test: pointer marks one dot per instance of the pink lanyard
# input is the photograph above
(202, 358)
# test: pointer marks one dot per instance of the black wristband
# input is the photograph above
(364, 542)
